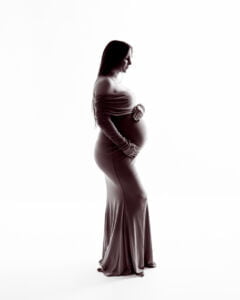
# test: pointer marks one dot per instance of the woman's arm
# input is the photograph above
(109, 129)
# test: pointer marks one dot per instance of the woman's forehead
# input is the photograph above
(129, 52)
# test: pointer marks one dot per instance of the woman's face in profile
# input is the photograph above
(127, 61)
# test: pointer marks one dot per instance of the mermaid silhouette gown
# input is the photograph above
(127, 244)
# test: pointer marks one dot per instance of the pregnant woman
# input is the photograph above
(127, 244)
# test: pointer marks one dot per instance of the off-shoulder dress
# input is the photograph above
(127, 243)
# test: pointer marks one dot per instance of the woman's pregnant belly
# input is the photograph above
(135, 131)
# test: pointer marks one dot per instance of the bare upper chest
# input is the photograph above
(115, 87)
(119, 88)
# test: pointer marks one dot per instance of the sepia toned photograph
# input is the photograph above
(119, 156)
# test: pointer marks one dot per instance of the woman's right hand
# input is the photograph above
(137, 112)
(132, 150)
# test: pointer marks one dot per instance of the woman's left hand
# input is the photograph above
(138, 112)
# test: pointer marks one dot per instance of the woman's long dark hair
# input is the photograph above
(113, 55)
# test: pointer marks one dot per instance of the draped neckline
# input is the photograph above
(115, 104)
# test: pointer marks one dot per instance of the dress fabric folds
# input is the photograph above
(127, 243)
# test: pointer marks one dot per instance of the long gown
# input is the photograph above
(127, 243)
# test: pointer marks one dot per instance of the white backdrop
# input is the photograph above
(186, 73)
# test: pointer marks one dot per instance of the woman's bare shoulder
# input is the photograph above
(103, 85)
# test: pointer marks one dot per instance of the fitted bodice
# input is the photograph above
(119, 107)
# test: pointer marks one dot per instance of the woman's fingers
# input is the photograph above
(137, 115)
(138, 112)
(132, 150)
